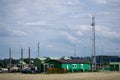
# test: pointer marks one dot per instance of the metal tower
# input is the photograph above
(94, 46)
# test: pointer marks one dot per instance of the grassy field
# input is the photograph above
(69, 76)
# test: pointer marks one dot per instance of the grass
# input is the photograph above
(69, 76)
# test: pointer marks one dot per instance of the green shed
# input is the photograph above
(37, 62)
(114, 66)
(70, 65)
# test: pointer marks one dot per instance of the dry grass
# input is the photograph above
(70, 76)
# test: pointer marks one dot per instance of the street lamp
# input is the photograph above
(94, 47)
(38, 50)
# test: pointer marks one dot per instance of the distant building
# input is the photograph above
(70, 65)
(114, 66)
(65, 58)
(107, 59)
(104, 60)
(39, 62)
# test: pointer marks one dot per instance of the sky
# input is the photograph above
(62, 27)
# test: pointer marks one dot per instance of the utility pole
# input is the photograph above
(22, 58)
(94, 46)
(29, 57)
(74, 50)
(10, 53)
(102, 58)
(54, 51)
(38, 50)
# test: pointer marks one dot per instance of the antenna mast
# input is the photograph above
(94, 47)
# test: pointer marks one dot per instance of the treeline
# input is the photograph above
(4, 63)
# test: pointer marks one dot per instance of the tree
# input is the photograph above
(2, 64)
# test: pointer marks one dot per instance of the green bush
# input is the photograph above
(56, 70)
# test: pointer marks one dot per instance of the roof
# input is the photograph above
(70, 61)
(52, 58)
(114, 62)
(42, 58)
(20, 62)
(66, 58)
(107, 56)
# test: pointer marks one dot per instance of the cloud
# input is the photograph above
(79, 33)
(9, 32)
(18, 33)
(107, 32)
(4, 32)
(100, 1)
(81, 27)
(41, 9)
(114, 1)
(51, 46)
(71, 38)
(106, 1)
(61, 23)
(80, 30)
(32, 23)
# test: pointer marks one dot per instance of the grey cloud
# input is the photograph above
(4, 32)
(58, 22)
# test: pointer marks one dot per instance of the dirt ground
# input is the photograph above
(69, 76)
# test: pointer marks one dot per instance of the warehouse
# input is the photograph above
(114, 66)
(70, 65)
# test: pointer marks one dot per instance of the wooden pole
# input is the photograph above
(29, 56)
(38, 50)
(22, 57)
(10, 53)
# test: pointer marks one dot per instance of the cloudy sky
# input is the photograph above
(60, 26)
